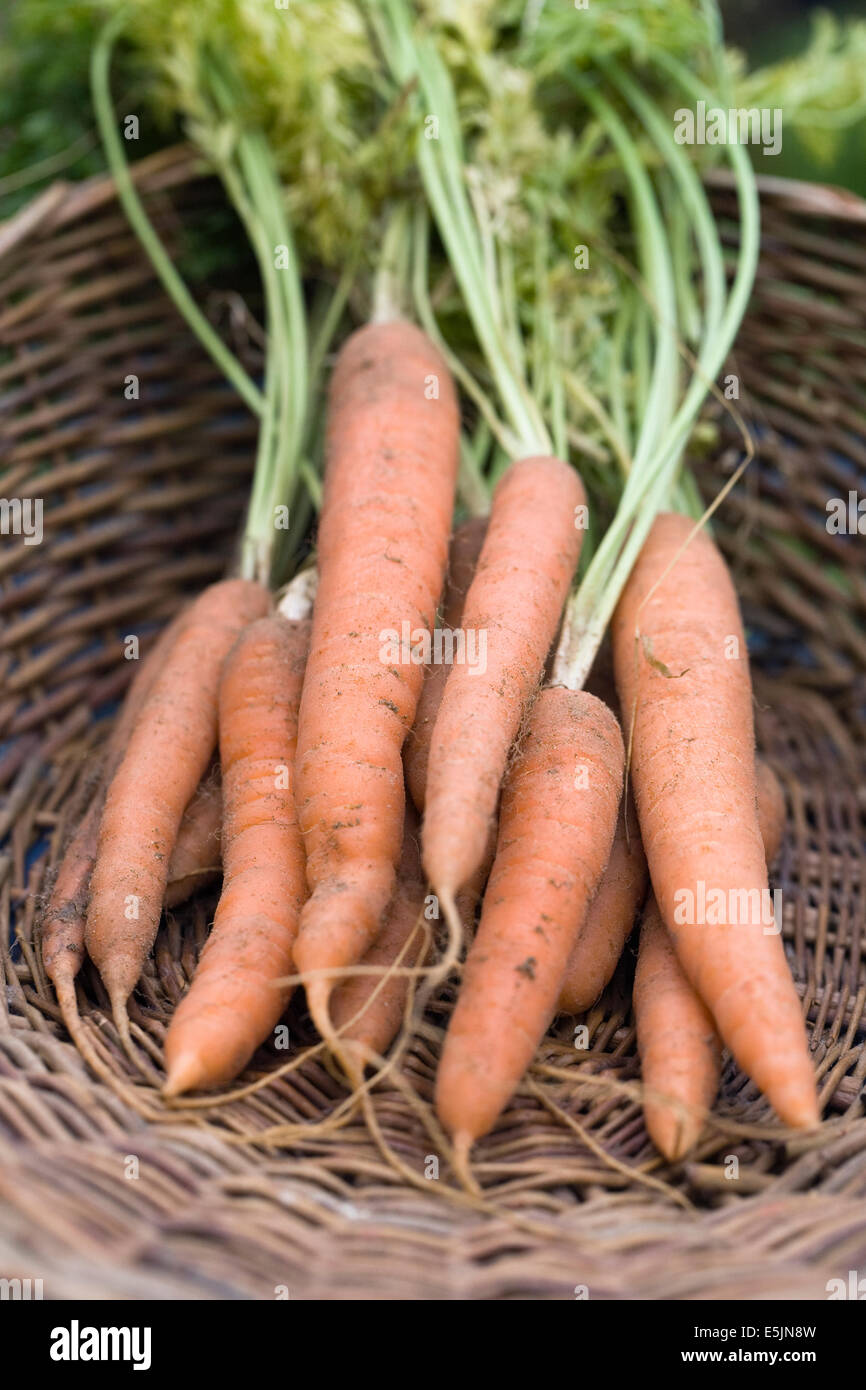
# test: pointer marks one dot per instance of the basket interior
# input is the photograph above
(142, 506)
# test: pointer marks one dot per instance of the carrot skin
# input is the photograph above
(609, 920)
(233, 1002)
(526, 565)
(391, 469)
(679, 1047)
(463, 555)
(680, 1050)
(695, 787)
(168, 751)
(622, 890)
(556, 827)
(771, 809)
(366, 1011)
(62, 931)
(196, 859)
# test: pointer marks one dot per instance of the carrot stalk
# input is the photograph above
(515, 601)
(233, 1002)
(679, 1047)
(391, 469)
(168, 751)
(556, 827)
(683, 679)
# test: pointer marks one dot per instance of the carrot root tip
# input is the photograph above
(454, 925)
(184, 1074)
(462, 1145)
(318, 998)
(117, 999)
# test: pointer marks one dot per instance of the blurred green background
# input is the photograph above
(767, 30)
(47, 127)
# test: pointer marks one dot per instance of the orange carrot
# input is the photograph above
(556, 827)
(609, 920)
(771, 809)
(679, 1048)
(684, 682)
(368, 1009)
(391, 468)
(612, 911)
(515, 601)
(462, 558)
(62, 934)
(195, 859)
(233, 1001)
(169, 749)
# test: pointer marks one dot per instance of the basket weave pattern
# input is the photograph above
(106, 1192)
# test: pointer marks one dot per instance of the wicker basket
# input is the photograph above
(105, 1192)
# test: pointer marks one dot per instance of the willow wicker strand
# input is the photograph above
(104, 1191)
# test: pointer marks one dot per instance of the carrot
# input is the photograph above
(680, 1052)
(679, 1047)
(170, 747)
(367, 1010)
(462, 558)
(195, 859)
(611, 914)
(556, 827)
(685, 685)
(515, 600)
(770, 801)
(233, 1002)
(62, 933)
(609, 919)
(469, 896)
(391, 468)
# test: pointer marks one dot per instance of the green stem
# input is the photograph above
(441, 163)
(100, 79)
(392, 274)
(649, 487)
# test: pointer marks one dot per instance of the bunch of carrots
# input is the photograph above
(532, 809)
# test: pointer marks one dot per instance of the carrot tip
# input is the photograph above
(463, 1142)
(318, 998)
(185, 1073)
(803, 1115)
(674, 1126)
(117, 998)
(355, 1057)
